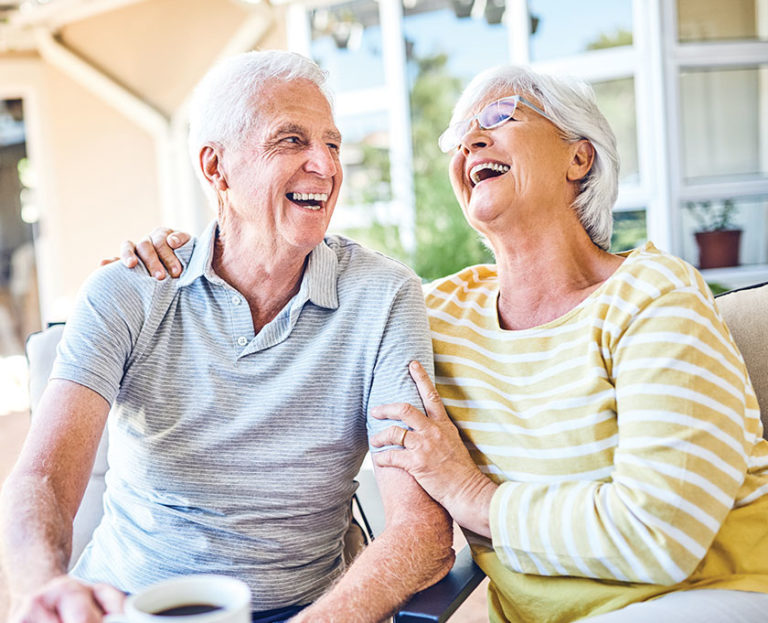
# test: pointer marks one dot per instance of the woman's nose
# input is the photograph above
(475, 137)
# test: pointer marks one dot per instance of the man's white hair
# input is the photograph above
(224, 105)
(572, 106)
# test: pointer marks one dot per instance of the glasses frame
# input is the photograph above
(451, 138)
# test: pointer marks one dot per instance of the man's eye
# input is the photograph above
(334, 146)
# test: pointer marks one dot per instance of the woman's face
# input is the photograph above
(515, 173)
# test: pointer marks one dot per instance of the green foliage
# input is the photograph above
(444, 241)
(711, 216)
(717, 288)
(613, 40)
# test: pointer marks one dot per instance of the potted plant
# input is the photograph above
(718, 238)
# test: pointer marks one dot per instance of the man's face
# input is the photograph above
(284, 179)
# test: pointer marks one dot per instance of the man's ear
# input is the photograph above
(582, 161)
(211, 166)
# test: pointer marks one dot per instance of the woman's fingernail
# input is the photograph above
(174, 239)
(159, 275)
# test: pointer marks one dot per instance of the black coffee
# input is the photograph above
(187, 610)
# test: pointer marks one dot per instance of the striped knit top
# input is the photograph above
(625, 435)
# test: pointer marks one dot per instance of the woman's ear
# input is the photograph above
(211, 166)
(582, 161)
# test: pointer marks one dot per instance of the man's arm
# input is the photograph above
(38, 504)
(413, 552)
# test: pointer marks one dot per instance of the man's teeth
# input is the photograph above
(309, 196)
(474, 174)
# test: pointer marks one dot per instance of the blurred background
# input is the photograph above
(93, 100)
(93, 119)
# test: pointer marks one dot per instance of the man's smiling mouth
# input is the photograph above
(486, 170)
(311, 201)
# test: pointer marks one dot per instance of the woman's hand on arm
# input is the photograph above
(155, 251)
(434, 454)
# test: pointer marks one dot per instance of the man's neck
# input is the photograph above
(268, 276)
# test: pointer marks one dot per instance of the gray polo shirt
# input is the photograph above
(231, 452)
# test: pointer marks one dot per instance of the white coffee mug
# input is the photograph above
(226, 599)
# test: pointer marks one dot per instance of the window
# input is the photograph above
(715, 20)
(724, 130)
(616, 99)
(561, 28)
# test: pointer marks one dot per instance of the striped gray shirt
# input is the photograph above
(231, 452)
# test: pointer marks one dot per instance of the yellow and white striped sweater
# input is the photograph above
(625, 435)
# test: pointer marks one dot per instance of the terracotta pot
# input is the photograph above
(718, 249)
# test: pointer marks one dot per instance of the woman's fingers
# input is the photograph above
(177, 239)
(128, 254)
(392, 436)
(390, 458)
(161, 239)
(429, 396)
(147, 253)
(400, 411)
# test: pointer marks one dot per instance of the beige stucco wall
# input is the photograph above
(101, 172)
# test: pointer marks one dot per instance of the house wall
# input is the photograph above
(104, 174)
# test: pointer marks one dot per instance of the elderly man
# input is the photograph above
(240, 392)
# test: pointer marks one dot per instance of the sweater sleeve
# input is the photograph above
(687, 418)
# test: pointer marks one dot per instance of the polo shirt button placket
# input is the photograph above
(242, 340)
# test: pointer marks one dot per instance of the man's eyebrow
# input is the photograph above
(333, 135)
(290, 128)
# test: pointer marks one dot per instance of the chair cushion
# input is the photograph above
(744, 311)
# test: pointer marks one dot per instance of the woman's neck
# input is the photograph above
(543, 277)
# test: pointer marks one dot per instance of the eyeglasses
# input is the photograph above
(492, 116)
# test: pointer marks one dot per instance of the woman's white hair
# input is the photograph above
(571, 104)
(224, 105)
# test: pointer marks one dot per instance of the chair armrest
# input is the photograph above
(439, 601)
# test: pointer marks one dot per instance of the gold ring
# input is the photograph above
(402, 439)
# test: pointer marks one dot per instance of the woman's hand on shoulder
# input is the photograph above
(155, 251)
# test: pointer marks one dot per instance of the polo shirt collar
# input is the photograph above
(197, 259)
(319, 281)
(321, 276)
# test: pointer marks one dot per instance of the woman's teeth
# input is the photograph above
(485, 170)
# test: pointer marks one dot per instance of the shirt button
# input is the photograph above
(242, 341)
(236, 300)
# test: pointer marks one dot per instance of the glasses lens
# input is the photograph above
(451, 138)
(491, 116)
(497, 113)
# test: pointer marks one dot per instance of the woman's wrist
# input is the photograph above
(470, 507)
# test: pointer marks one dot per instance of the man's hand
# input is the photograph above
(67, 600)
(156, 252)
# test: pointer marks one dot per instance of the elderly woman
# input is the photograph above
(609, 447)
(608, 457)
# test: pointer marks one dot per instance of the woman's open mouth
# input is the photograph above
(486, 170)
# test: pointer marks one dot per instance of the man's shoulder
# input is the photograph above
(358, 260)
(117, 286)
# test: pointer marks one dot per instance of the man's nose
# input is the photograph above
(322, 160)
